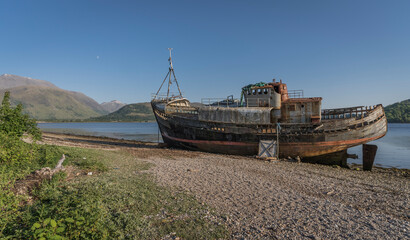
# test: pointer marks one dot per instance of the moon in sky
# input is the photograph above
(98, 57)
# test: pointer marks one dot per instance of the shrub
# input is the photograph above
(14, 122)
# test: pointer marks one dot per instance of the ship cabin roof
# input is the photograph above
(278, 87)
(264, 95)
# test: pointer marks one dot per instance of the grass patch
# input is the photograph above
(86, 159)
(121, 203)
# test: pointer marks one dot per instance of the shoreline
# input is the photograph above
(105, 140)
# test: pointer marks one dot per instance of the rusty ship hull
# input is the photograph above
(182, 128)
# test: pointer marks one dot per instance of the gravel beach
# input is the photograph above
(278, 200)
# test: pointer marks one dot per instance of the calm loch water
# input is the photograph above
(146, 131)
(393, 149)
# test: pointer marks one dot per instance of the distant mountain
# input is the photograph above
(112, 106)
(398, 112)
(45, 101)
(11, 81)
(137, 112)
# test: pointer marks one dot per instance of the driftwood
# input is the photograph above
(48, 172)
(59, 165)
(34, 179)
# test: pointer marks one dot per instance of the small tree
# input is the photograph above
(14, 122)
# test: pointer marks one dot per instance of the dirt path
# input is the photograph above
(279, 200)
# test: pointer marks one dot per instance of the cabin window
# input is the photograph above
(254, 91)
(292, 107)
(265, 91)
(276, 88)
(259, 91)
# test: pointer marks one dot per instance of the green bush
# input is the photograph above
(14, 122)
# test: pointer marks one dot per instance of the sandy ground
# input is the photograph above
(277, 200)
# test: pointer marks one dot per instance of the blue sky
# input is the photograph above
(348, 52)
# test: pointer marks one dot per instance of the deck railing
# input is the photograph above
(340, 113)
(231, 102)
(164, 96)
(220, 102)
(295, 93)
(257, 102)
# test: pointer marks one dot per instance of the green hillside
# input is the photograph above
(137, 112)
(51, 103)
(398, 112)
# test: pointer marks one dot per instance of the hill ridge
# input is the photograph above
(10, 81)
(135, 112)
(398, 112)
(45, 101)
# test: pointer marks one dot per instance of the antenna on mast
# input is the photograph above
(169, 75)
(170, 58)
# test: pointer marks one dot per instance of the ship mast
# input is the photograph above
(171, 77)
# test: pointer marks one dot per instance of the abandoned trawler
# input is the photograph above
(265, 112)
